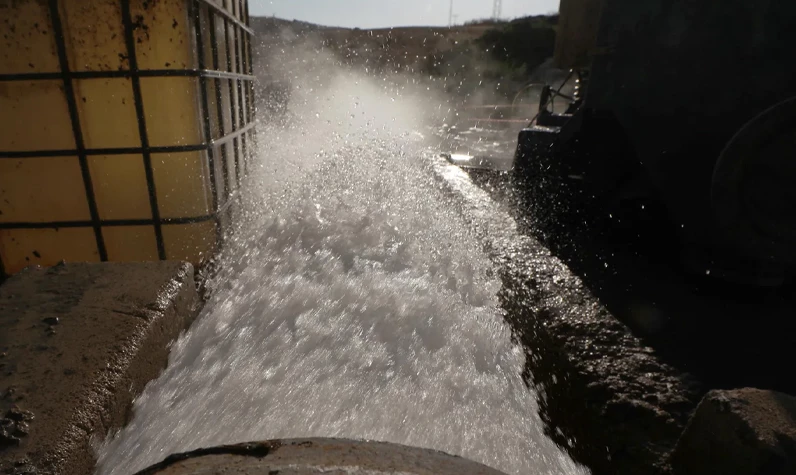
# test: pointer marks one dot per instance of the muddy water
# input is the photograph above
(352, 302)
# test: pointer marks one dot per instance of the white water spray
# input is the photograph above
(352, 303)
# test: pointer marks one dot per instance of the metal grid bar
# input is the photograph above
(74, 117)
(128, 150)
(241, 125)
(250, 71)
(232, 103)
(232, 136)
(126, 74)
(239, 44)
(223, 12)
(104, 223)
(243, 64)
(200, 54)
(112, 222)
(219, 105)
(142, 130)
(241, 149)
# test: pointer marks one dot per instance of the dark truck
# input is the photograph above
(687, 104)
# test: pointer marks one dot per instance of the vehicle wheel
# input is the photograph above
(754, 187)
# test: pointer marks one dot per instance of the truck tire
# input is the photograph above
(753, 190)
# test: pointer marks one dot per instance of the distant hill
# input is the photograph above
(503, 53)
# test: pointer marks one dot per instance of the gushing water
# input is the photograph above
(352, 303)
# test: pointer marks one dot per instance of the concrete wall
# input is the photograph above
(577, 29)
(77, 343)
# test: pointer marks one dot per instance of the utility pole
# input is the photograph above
(450, 16)
(497, 9)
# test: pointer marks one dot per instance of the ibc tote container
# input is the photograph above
(125, 128)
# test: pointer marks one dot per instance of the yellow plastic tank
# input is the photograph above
(125, 127)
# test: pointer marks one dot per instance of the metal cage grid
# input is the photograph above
(208, 16)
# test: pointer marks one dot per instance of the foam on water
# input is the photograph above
(353, 303)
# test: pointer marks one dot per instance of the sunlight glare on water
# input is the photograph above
(353, 302)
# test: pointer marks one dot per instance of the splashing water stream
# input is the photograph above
(353, 302)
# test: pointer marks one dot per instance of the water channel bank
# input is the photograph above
(616, 388)
(78, 342)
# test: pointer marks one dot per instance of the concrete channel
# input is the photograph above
(618, 404)
(78, 342)
(311, 456)
(605, 395)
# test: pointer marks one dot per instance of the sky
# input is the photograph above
(386, 13)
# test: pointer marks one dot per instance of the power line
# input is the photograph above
(497, 10)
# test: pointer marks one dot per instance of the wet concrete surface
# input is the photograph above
(77, 343)
(606, 395)
(316, 456)
(725, 335)
(476, 146)
(703, 332)
(739, 432)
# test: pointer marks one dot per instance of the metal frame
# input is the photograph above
(241, 111)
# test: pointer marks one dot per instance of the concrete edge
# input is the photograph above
(318, 455)
(604, 396)
(112, 394)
